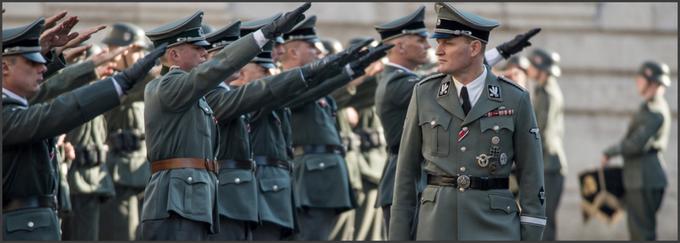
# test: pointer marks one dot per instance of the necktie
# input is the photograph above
(466, 100)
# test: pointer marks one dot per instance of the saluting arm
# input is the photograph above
(65, 80)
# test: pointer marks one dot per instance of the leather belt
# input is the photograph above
(463, 182)
(49, 201)
(393, 149)
(268, 161)
(319, 149)
(179, 163)
(237, 164)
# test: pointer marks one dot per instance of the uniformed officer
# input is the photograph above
(549, 109)
(395, 86)
(127, 154)
(396, 83)
(644, 176)
(181, 132)
(320, 174)
(29, 168)
(231, 105)
(465, 127)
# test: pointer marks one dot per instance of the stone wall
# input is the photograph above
(601, 45)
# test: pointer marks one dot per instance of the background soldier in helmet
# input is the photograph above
(644, 177)
(549, 109)
(126, 160)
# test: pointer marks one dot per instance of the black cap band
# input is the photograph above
(445, 24)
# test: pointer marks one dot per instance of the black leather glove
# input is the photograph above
(333, 64)
(285, 23)
(371, 55)
(518, 43)
(129, 77)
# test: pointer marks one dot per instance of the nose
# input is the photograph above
(42, 68)
(439, 51)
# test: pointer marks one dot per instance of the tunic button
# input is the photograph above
(508, 208)
(465, 128)
(275, 187)
(237, 180)
(462, 169)
(218, 181)
(432, 123)
(190, 179)
(31, 224)
(496, 128)
(462, 149)
(322, 165)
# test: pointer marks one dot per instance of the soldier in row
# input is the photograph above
(29, 131)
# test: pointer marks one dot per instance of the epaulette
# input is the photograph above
(431, 77)
(513, 83)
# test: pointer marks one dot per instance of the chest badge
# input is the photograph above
(482, 160)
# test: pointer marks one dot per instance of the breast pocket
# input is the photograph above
(189, 192)
(436, 137)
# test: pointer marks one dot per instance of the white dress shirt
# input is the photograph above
(474, 88)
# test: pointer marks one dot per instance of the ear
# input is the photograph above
(476, 48)
(5, 67)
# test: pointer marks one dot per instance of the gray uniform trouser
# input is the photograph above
(120, 216)
(316, 223)
(641, 208)
(232, 230)
(83, 222)
(174, 228)
(554, 185)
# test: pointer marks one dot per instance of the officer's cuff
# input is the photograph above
(119, 90)
(260, 39)
(493, 57)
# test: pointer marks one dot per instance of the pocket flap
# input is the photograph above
(319, 164)
(502, 203)
(499, 121)
(442, 120)
(189, 177)
(235, 176)
(274, 184)
(28, 221)
(429, 195)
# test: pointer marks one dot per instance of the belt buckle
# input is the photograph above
(212, 165)
(463, 182)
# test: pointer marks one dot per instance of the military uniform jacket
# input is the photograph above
(433, 122)
(646, 137)
(231, 107)
(321, 180)
(268, 138)
(88, 173)
(29, 157)
(127, 154)
(179, 123)
(395, 86)
(549, 108)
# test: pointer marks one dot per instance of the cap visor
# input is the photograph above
(35, 57)
(201, 43)
(441, 36)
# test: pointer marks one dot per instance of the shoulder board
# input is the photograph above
(431, 77)
(513, 83)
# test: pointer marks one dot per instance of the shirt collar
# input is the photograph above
(15, 96)
(225, 86)
(474, 88)
(399, 67)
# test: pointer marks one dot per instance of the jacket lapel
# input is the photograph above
(449, 101)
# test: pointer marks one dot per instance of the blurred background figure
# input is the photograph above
(644, 175)
(548, 104)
